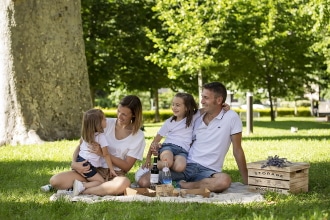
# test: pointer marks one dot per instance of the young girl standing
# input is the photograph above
(93, 123)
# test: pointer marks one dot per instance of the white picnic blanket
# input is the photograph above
(237, 193)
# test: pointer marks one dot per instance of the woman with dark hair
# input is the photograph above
(126, 145)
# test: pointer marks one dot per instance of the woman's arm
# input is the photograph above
(125, 165)
(107, 158)
(79, 166)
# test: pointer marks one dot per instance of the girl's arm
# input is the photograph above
(152, 150)
(107, 158)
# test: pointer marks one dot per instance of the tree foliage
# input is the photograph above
(116, 45)
(253, 44)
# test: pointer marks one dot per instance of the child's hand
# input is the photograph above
(154, 148)
(147, 164)
(226, 107)
(113, 173)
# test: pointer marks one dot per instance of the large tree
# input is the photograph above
(44, 82)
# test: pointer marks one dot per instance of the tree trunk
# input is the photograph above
(156, 101)
(200, 87)
(44, 84)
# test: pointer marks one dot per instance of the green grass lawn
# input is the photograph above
(23, 169)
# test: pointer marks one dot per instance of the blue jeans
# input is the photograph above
(175, 149)
(194, 172)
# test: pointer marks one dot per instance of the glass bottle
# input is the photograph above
(166, 174)
(154, 175)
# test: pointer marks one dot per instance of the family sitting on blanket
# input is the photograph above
(213, 131)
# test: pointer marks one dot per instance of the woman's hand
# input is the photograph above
(80, 168)
(96, 149)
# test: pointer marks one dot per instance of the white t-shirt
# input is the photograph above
(211, 143)
(132, 146)
(175, 132)
(94, 159)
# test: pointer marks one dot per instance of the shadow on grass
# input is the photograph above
(29, 174)
(285, 125)
(20, 195)
(288, 137)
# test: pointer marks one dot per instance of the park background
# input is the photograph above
(59, 59)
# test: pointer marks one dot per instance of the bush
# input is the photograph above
(280, 112)
(149, 116)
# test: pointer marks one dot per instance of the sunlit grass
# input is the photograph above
(23, 169)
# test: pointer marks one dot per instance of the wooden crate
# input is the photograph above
(290, 179)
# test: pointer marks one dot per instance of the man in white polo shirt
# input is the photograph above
(213, 133)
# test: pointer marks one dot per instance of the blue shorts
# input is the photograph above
(175, 149)
(194, 172)
(92, 168)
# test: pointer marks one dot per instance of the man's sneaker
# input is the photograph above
(78, 187)
(47, 188)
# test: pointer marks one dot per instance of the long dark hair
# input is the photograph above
(134, 104)
(191, 106)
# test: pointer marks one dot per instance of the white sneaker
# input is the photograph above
(78, 187)
(46, 188)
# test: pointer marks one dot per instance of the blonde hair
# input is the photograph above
(134, 104)
(91, 123)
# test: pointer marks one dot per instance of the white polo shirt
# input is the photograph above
(211, 143)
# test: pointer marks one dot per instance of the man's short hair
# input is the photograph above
(218, 88)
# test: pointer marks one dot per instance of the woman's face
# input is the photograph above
(124, 115)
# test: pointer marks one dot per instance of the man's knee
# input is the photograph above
(223, 181)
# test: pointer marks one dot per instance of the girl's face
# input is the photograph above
(104, 122)
(178, 107)
(124, 115)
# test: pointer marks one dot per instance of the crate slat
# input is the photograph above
(293, 178)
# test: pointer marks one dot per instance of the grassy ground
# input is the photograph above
(23, 169)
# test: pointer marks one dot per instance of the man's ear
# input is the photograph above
(219, 100)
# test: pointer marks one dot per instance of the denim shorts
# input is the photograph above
(92, 168)
(175, 149)
(194, 172)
